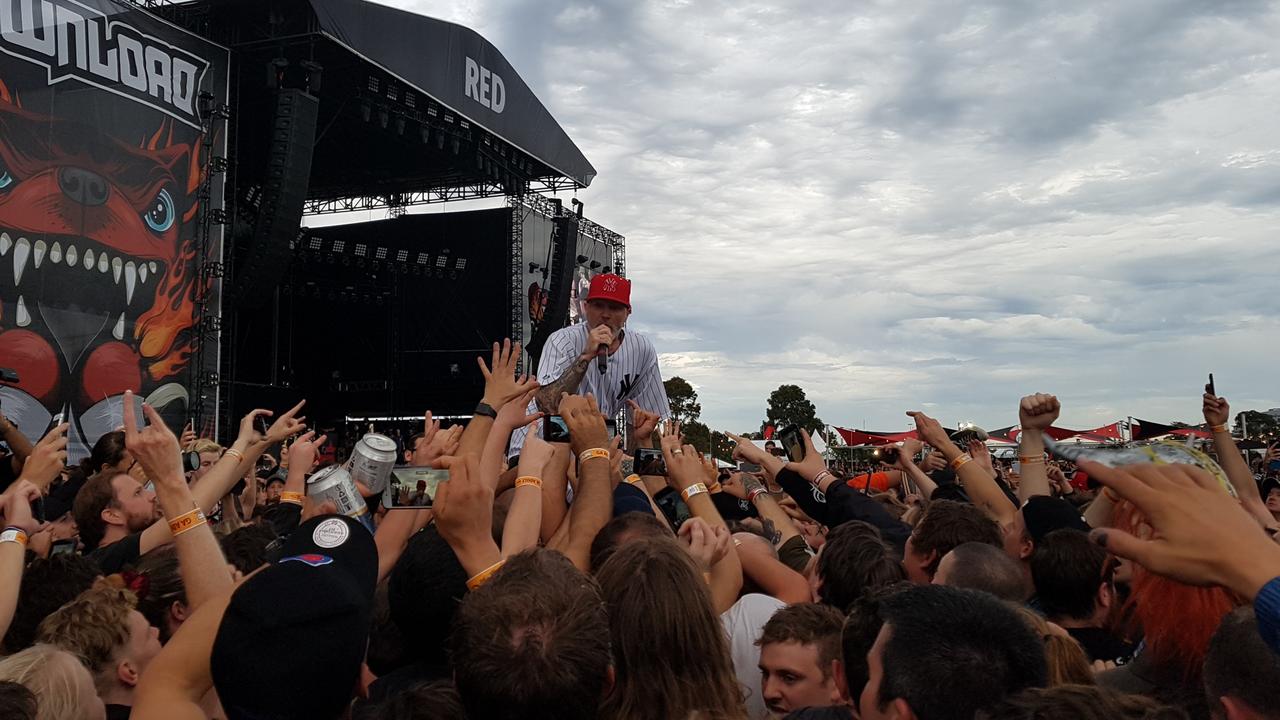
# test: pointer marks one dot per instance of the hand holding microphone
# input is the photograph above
(598, 342)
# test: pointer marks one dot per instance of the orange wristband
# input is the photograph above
(633, 479)
(14, 535)
(528, 480)
(288, 496)
(593, 454)
(694, 489)
(187, 521)
(1220, 428)
(483, 576)
(960, 461)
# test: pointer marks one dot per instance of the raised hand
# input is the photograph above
(907, 451)
(643, 421)
(708, 544)
(288, 425)
(155, 447)
(1216, 410)
(813, 463)
(599, 335)
(981, 455)
(733, 485)
(304, 450)
(47, 459)
(932, 462)
(1201, 535)
(464, 506)
(930, 431)
(15, 505)
(512, 415)
(501, 385)
(1038, 412)
(536, 452)
(684, 464)
(586, 425)
(747, 450)
(188, 435)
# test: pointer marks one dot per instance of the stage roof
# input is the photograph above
(408, 103)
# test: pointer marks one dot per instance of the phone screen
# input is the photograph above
(748, 467)
(650, 462)
(554, 429)
(612, 427)
(63, 547)
(1209, 388)
(792, 442)
(412, 487)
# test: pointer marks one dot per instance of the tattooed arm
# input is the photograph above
(548, 396)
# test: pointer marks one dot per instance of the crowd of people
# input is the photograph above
(559, 584)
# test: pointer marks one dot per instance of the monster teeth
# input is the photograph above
(24, 317)
(55, 253)
(88, 259)
(21, 250)
(102, 263)
(142, 272)
(130, 279)
(5, 243)
(154, 271)
(38, 253)
(118, 331)
(116, 266)
(71, 256)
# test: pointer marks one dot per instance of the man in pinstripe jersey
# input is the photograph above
(568, 363)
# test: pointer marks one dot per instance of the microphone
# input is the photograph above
(602, 358)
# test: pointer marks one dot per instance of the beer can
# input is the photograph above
(335, 483)
(372, 460)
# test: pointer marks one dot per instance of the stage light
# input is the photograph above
(441, 260)
(384, 117)
(361, 249)
(461, 264)
(380, 253)
(422, 258)
(402, 256)
(315, 243)
(534, 267)
(582, 259)
(339, 245)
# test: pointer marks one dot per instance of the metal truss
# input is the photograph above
(396, 201)
(516, 249)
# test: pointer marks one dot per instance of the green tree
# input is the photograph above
(789, 406)
(683, 399)
(1258, 425)
(697, 435)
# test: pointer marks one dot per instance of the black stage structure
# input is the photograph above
(341, 105)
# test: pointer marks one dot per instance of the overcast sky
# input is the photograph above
(939, 205)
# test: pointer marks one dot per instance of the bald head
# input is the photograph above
(979, 566)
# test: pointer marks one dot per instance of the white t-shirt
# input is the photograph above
(744, 623)
(633, 374)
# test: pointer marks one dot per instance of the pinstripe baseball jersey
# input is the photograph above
(633, 374)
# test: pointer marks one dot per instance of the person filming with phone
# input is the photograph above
(601, 357)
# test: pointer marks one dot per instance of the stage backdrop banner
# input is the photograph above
(102, 163)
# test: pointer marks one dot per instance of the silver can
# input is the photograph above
(335, 483)
(372, 460)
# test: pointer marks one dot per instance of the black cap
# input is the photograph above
(1043, 514)
(294, 635)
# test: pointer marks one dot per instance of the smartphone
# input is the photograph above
(649, 461)
(554, 429)
(792, 442)
(1209, 387)
(889, 454)
(63, 547)
(1273, 465)
(262, 424)
(412, 487)
(611, 426)
(747, 467)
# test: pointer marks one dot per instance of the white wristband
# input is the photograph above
(14, 535)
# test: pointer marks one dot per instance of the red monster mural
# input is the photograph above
(98, 266)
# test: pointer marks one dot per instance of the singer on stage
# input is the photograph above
(601, 357)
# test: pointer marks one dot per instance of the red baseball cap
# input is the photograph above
(608, 286)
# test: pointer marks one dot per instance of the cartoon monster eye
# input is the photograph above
(162, 214)
(5, 180)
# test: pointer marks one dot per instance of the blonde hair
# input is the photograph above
(1068, 665)
(50, 674)
(204, 445)
(93, 626)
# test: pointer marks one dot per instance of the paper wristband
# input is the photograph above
(295, 498)
(959, 461)
(714, 487)
(1220, 429)
(592, 454)
(528, 480)
(694, 489)
(633, 479)
(1032, 460)
(14, 535)
(483, 576)
(751, 496)
(186, 521)
(817, 479)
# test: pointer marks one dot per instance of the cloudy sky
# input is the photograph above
(939, 205)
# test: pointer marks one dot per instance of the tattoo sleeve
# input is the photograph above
(548, 396)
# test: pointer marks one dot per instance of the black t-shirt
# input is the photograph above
(829, 712)
(1100, 644)
(118, 712)
(118, 555)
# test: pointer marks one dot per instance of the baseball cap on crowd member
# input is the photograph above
(607, 286)
(1044, 514)
(293, 638)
